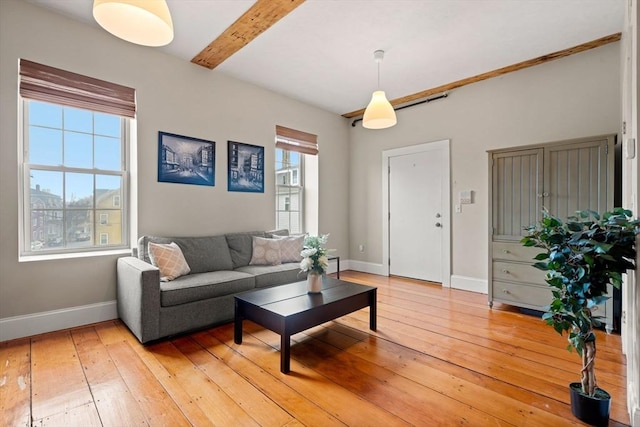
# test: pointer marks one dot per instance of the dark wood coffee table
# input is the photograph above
(289, 309)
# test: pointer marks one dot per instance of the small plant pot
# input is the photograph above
(592, 410)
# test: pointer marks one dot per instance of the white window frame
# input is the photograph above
(298, 185)
(25, 239)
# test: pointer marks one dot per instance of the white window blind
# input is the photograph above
(295, 140)
(44, 83)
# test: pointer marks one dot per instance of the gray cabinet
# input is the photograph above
(562, 177)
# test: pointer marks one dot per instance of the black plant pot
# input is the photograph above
(592, 410)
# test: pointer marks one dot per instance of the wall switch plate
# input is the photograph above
(458, 208)
(465, 197)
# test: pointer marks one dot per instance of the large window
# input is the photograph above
(73, 161)
(291, 148)
(289, 190)
(74, 178)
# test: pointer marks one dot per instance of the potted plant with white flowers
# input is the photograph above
(315, 261)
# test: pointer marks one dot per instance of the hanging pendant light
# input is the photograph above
(379, 114)
(143, 22)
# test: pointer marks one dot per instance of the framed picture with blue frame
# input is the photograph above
(186, 160)
(245, 167)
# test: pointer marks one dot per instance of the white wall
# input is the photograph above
(173, 95)
(568, 98)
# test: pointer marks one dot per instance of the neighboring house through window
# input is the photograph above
(73, 163)
(289, 196)
(291, 148)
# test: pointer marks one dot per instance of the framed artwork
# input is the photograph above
(186, 160)
(246, 167)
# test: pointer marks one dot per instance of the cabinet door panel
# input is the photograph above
(516, 184)
(577, 178)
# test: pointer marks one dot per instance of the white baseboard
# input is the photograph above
(365, 267)
(633, 402)
(48, 321)
(469, 284)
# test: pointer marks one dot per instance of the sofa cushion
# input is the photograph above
(169, 259)
(290, 248)
(196, 287)
(265, 251)
(272, 275)
(283, 232)
(241, 247)
(203, 254)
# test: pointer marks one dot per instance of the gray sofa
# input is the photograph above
(219, 270)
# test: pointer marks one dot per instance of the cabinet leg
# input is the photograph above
(490, 304)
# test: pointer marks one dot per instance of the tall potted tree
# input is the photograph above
(581, 257)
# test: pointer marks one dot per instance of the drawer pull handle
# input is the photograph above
(506, 291)
(505, 271)
(506, 251)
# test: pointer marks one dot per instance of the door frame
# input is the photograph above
(443, 146)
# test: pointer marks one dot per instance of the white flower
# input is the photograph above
(306, 253)
(323, 262)
(306, 264)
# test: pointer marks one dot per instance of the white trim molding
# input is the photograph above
(365, 267)
(469, 284)
(55, 320)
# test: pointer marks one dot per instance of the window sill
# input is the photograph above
(49, 257)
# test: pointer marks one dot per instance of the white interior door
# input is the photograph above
(416, 215)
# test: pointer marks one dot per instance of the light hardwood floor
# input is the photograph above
(439, 357)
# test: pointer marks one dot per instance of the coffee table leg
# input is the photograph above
(373, 304)
(285, 352)
(237, 325)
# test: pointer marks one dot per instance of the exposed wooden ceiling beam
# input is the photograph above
(257, 19)
(500, 71)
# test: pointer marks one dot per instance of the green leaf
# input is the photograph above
(558, 327)
(541, 266)
(602, 248)
(541, 256)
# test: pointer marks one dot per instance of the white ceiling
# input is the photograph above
(322, 52)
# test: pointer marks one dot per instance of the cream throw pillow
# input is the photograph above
(169, 259)
(265, 251)
(290, 248)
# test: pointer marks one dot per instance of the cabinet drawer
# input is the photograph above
(512, 251)
(531, 296)
(519, 272)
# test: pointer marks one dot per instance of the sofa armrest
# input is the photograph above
(138, 294)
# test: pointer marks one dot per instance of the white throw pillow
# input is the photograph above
(290, 248)
(169, 259)
(265, 251)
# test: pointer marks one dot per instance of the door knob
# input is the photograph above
(438, 224)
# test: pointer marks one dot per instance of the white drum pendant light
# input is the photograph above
(143, 22)
(379, 114)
